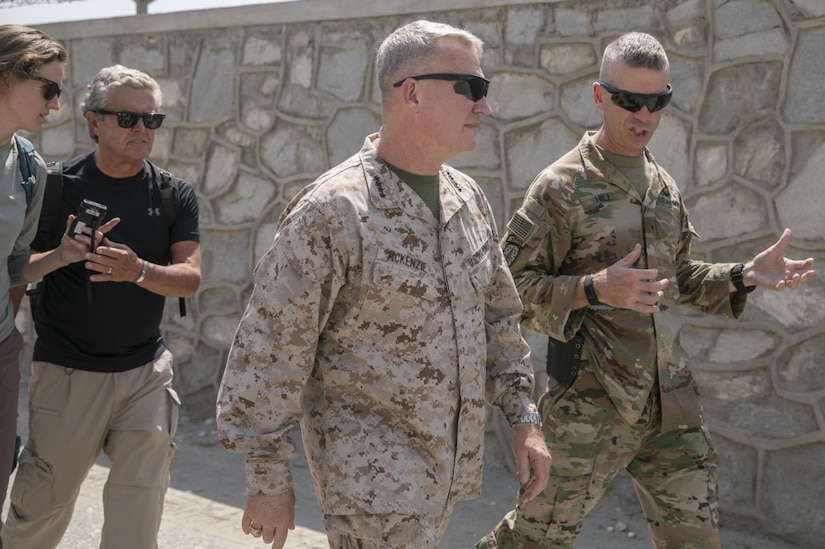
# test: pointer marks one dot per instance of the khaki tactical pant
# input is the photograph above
(674, 474)
(73, 415)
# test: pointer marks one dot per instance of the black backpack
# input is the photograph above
(51, 229)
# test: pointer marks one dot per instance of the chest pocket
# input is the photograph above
(398, 295)
(406, 281)
(593, 204)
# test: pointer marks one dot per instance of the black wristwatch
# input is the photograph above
(736, 278)
(589, 292)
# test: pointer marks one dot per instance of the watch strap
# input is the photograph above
(589, 292)
(737, 280)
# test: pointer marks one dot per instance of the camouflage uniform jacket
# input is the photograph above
(581, 215)
(382, 332)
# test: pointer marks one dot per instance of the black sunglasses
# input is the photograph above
(127, 119)
(469, 85)
(634, 102)
(51, 90)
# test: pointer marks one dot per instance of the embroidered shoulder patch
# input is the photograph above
(511, 251)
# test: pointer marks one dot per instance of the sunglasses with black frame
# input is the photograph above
(471, 86)
(128, 119)
(50, 90)
(634, 102)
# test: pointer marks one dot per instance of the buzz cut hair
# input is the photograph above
(634, 49)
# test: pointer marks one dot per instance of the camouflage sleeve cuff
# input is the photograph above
(737, 303)
(515, 412)
(265, 476)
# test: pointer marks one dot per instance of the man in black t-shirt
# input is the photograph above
(101, 375)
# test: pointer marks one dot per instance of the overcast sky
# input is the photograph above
(100, 9)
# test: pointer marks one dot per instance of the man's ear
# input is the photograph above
(409, 93)
(94, 123)
(598, 96)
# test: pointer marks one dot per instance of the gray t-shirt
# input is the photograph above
(18, 225)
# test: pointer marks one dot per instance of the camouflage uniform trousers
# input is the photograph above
(674, 473)
(387, 531)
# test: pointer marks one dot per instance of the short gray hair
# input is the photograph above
(110, 78)
(634, 49)
(415, 42)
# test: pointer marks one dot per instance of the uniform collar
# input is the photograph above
(597, 168)
(387, 190)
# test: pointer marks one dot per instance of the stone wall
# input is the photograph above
(262, 99)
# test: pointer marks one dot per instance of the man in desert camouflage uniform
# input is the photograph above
(600, 251)
(381, 320)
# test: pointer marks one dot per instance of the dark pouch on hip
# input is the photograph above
(563, 359)
(14, 456)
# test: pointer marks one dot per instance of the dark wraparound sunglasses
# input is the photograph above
(469, 85)
(127, 119)
(50, 90)
(634, 102)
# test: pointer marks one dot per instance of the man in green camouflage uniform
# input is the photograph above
(381, 320)
(600, 251)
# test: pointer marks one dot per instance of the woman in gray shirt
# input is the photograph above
(31, 73)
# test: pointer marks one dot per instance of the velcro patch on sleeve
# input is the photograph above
(521, 227)
(519, 230)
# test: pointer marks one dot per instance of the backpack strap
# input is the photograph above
(25, 154)
(168, 187)
(49, 219)
(169, 195)
(50, 212)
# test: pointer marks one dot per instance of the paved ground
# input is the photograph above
(204, 505)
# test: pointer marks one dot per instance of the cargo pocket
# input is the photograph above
(575, 482)
(568, 496)
(33, 492)
(565, 501)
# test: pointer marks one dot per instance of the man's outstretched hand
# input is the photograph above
(771, 270)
